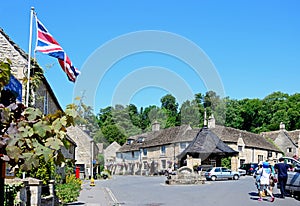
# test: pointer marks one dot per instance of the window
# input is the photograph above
(242, 161)
(260, 158)
(140, 140)
(129, 141)
(289, 149)
(163, 150)
(269, 153)
(145, 151)
(146, 165)
(240, 148)
(183, 145)
(163, 164)
(218, 169)
(132, 154)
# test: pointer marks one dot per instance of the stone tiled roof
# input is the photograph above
(291, 135)
(186, 134)
(157, 138)
(231, 135)
(74, 132)
(206, 143)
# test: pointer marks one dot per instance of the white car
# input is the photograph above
(221, 173)
(242, 172)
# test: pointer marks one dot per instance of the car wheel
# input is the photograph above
(235, 177)
(213, 178)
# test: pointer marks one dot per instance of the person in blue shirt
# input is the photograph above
(281, 169)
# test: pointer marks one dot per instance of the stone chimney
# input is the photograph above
(155, 126)
(211, 122)
(205, 119)
(282, 126)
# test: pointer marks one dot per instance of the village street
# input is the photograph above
(152, 191)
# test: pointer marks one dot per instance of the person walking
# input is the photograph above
(257, 175)
(265, 181)
(281, 169)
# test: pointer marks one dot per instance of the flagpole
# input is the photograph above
(29, 57)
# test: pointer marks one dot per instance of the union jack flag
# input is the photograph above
(48, 45)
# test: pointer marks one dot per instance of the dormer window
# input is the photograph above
(140, 140)
(129, 141)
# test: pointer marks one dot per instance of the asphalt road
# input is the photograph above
(152, 191)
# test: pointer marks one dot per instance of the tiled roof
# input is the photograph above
(206, 143)
(292, 135)
(157, 138)
(186, 134)
(231, 135)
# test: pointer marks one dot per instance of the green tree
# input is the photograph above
(170, 106)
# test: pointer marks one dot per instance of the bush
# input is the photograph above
(69, 192)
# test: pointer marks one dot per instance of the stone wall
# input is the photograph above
(9, 50)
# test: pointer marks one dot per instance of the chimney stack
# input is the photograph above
(282, 126)
(205, 119)
(155, 126)
(211, 121)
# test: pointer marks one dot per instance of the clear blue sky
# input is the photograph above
(254, 46)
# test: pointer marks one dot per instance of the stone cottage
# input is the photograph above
(287, 141)
(156, 151)
(44, 97)
(86, 152)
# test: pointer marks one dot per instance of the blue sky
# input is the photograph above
(252, 47)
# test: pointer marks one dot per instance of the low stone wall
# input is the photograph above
(186, 175)
(31, 192)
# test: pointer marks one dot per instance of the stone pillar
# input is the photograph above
(234, 163)
(35, 186)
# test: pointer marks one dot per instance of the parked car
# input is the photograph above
(221, 173)
(242, 172)
(249, 167)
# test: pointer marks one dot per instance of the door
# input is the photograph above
(226, 173)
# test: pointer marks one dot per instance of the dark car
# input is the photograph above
(249, 167)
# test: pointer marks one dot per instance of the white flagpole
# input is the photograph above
(29, 57)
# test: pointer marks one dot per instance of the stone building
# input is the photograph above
(287, 141)
(44, 97)
(158, 150)
(86, 152)
(110, 154)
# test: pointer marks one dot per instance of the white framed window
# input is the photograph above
(240, 148)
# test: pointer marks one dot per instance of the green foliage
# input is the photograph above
(44, 171)
(226, 162)
(254, 115)
(4, 73)
(10, 194)
(69, 192)
(28, 137)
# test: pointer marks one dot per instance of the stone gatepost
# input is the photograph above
(234, 163)
(35, 187)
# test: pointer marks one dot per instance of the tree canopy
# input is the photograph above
(253, 115)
